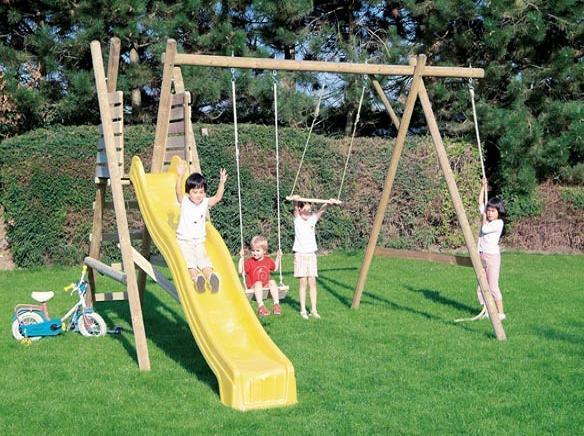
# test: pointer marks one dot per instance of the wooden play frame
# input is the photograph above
(110, 174)
(417, 69)
(174, 118)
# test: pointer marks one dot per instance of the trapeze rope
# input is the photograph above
(352, 139)
(316, 112)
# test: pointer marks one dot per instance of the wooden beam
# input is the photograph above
(325, 67)
(384, 200)
(461, 214)
(424, 255)
(120, 209)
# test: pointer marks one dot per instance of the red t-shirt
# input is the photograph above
(258, 271)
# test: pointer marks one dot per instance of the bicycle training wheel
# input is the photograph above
(91, 324)
(25, 318)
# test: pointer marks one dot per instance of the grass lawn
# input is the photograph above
(397, 365)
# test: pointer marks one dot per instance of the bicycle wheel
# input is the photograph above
(91, 324)
(25, 318)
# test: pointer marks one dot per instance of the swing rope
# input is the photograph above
(483, 313)
(316, 112)
(478, 136)
(236, 139)
(352, 139)
(275, 84)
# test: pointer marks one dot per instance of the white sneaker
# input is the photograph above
(304, 315)
(314, 314)
(502, 316)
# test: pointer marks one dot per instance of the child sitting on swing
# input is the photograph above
(191, 231)
(256, 270)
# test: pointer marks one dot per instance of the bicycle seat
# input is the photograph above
(42, 297)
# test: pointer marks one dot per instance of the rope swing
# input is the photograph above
(293, 197)
(281, 286)
(478, 136)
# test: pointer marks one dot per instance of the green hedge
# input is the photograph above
(48, 190)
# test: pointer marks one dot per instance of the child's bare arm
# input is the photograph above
(179, 182)
(241, 260)
(296, 209)
(278, 260)
(323, 208)
(220, 189)
(482, 192)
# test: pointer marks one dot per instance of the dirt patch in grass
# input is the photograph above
(6, 262)
(558, 229)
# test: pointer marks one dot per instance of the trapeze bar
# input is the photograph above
(325, 67)
(313, 200)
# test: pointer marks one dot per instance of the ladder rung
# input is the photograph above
(104, 181)
(111, 296)
(111, 236)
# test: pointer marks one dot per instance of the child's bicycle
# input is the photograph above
(31, 322)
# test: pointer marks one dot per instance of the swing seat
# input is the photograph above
(313, 200)
(282, 292)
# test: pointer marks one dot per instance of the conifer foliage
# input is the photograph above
(530, 102)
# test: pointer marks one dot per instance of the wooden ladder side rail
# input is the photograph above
(449, 259)
(98, 209)
(164, 106)
(461, 214)
(389, 179)
(120, 209)
(191, 157)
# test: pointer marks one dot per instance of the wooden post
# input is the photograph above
(397, 150)
(164, 108)
(460, 213)
(120, 209)
(96, 237)
(378, 88)
(113, 64)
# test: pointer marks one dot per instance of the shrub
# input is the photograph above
(48, 189)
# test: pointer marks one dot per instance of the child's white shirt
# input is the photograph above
(191, 224)
(305, 234)
(489, 237)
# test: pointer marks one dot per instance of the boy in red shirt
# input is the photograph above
(256, 270)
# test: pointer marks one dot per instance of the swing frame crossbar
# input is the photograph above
(418, 70)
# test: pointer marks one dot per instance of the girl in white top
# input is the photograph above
(488, 245)
(190, 232)
(305, 265)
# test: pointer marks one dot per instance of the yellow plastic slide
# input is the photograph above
(251, 370)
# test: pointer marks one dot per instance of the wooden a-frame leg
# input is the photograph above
(120, 209)
(397, 150)
(461, 214)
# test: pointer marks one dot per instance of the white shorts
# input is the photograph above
(305, 265)
(195, 254)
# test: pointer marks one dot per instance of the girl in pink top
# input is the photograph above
(493, 214)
